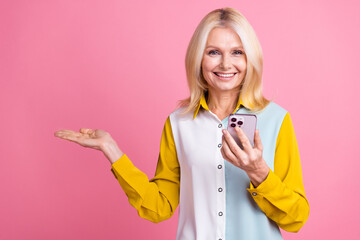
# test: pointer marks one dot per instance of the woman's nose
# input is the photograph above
(225, 62)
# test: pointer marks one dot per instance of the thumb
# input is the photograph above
(86, 130)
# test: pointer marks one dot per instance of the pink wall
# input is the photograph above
(119, 66)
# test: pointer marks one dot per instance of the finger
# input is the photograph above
(87, 130)
(257, 140)
(227, 153)
(60, 133)
(69, 137)
(243, 139)
(67, 133)
(226, 157)
(233, 146)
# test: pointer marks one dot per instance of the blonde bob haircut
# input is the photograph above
(251, 86)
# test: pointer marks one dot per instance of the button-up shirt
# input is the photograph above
(217, 200)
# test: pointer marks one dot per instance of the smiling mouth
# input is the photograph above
(224, 75)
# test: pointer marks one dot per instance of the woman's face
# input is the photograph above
(224, 60)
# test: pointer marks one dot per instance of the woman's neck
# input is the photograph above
(222, 103)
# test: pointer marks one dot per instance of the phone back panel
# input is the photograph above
(247, 122)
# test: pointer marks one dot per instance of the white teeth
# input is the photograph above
(225, 75)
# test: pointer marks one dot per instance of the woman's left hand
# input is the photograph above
(249, 159)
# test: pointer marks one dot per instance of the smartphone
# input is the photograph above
(247, 122)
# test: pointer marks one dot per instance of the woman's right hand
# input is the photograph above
(95, 139)
(90, 138)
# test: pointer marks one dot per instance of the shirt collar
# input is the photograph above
(203, 104)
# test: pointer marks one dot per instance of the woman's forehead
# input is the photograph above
(223, 37)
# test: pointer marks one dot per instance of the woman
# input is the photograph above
(226, 192)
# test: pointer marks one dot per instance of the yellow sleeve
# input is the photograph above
(157, 199)
(282, 196)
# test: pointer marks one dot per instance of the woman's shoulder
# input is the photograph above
(180, 113)
(274, 107)
(273, 111)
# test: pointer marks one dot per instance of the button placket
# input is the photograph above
(220, 211)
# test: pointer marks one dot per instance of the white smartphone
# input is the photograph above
(247, 122)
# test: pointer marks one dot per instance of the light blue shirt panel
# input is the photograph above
(244, 219)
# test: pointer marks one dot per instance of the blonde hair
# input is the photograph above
(251, 86)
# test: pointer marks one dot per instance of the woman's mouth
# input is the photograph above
(225, 76)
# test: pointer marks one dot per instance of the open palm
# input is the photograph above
(91, 138)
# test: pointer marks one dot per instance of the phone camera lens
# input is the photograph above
(233, 119)
(240, 123)
(233, 125)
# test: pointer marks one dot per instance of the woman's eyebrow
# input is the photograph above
(210, 46)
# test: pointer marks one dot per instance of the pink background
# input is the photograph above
(119, 66)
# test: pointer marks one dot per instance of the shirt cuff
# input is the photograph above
(120, 165)
(265, 187)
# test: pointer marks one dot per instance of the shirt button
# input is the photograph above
(220, 125)
(219, 166)
(220, 214)
(254, 193)
(220, 189)
(219, 145)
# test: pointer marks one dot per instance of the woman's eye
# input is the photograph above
(214, 52)
(238, 52)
